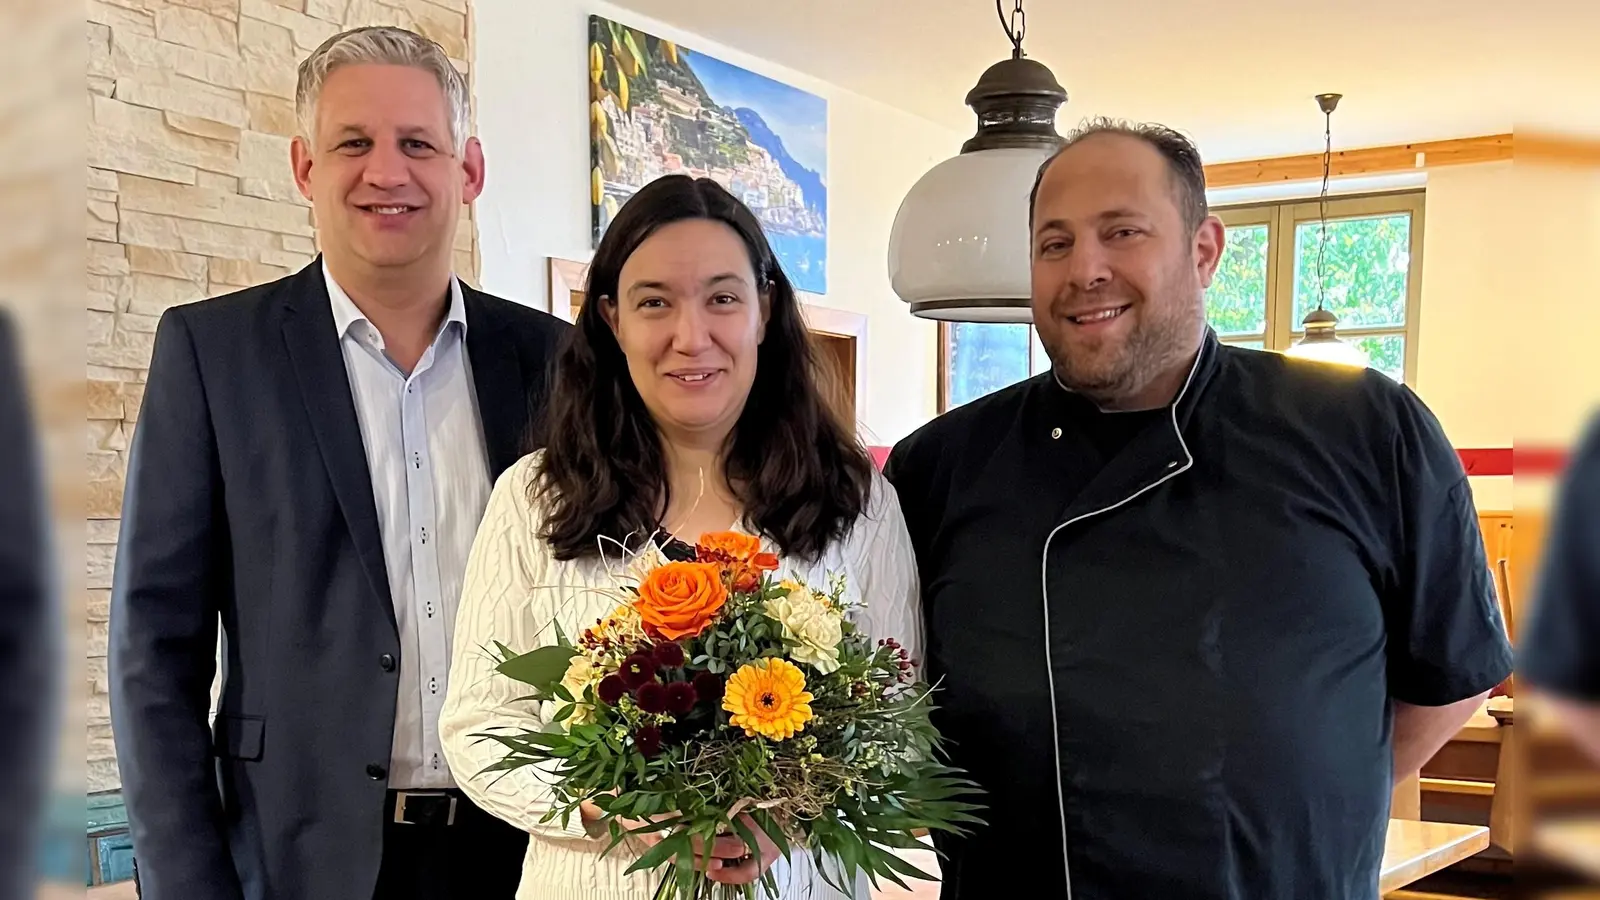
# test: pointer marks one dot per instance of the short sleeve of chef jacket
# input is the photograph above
(1446, 640)
(1560, 648)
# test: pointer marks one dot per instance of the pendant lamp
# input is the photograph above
(1321, 341)
(958, 250)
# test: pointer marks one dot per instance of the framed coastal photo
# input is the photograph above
(657, 108)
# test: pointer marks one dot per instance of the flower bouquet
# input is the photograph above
(716, 699)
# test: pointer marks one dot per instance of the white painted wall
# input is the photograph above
(1463, 340)
(532, 110)
(1510, 316)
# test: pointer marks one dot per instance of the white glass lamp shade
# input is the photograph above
(1331, 350)
(958, 250)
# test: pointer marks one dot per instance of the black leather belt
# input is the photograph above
(425, 807)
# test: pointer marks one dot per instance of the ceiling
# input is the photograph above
(1237, 75)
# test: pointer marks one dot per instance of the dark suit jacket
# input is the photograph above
(249, 502)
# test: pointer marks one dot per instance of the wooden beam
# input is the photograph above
(1366, 161)
(1560, 149)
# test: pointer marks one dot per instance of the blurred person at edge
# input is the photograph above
(26, 641)
(311, 464)
(1559, 654)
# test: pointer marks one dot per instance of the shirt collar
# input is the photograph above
(346, 313)
(1200, 370)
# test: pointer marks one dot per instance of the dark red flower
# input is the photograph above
(611, 690)
(638, 669)
(652, 697)
(680, 697)
(669, 655)
(708, 687)
(648, 740)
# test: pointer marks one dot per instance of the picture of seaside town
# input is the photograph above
(658, 109)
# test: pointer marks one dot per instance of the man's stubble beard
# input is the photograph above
(1162, 338)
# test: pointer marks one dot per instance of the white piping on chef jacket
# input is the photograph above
(1055, 725)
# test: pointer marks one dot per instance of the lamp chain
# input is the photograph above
(1322, 238)
(1015, 28)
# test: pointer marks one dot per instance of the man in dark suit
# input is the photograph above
(310, 465)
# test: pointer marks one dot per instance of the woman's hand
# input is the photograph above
(750, 864)
(732, 861)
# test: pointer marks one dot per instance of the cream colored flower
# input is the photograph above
(621, 625)
(812, 622)
(581, 673)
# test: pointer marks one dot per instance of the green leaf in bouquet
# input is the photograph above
(650, 804)
(892, 863)
(684, 873)
(769, 824)
(542, 668)
(565, 712)
(748, 836)
(668, 847)
(563, 694)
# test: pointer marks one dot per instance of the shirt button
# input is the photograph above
(1055, 434)
(386, 663)
(377, 772)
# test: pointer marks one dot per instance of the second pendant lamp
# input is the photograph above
(1322, 341)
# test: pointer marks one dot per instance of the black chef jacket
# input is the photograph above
(1561, 650)
(1167, 641)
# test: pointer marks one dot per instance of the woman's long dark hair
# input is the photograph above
(799, 473)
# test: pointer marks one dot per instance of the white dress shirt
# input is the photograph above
(430, 481)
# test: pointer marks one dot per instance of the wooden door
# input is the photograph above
(836, 369)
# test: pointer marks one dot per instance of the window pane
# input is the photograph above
(1365, 261)
(985, 357)
(1041, 359)
(1248, 345)
(1236, 302)
(1385, 352)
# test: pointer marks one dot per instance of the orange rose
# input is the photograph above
(679, 599)
(738, 547)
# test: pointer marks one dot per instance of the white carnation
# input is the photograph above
(817, 627)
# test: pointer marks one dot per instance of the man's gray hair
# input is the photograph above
(382, 45)
(1182, 158)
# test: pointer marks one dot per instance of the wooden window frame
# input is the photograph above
(1281, 219)
(942, 391)
(1281, 328)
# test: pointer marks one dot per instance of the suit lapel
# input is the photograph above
(313, 344)
(497, 375)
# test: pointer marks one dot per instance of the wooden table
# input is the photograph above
(1414, 850)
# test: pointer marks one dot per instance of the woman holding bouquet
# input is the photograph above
(685, 402)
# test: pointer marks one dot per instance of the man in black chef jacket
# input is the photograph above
(1195, 608)
(1560, 654)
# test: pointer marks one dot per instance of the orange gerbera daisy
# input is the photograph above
(768, 697)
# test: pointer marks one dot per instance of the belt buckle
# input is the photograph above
(400, 806)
